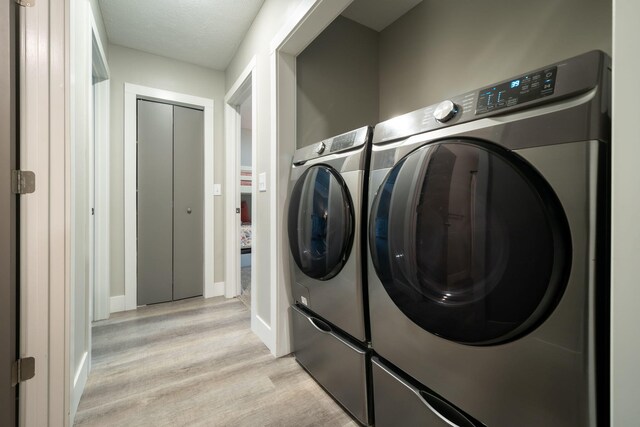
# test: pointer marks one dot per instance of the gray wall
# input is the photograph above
(134, 66)
(245, 147)
(442, 48)
(337, 78)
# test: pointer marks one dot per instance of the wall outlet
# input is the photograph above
(262, 182)
(217, 190)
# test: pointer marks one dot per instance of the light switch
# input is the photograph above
(262, 181)
(217, 190)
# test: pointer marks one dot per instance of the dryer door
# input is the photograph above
(470, 242)
(321, 222)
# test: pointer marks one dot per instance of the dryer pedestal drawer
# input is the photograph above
(339, 365)
(397, 402)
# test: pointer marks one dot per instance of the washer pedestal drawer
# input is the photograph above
(402, 402)
(335, 362)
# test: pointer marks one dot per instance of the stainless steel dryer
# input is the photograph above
(330, 332)
(488, 275)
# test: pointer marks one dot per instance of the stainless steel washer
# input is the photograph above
(488, 275)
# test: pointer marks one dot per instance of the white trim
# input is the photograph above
(81, 241)
(262, 330)
(625, 231)
(117, 304)
(102, 219)
(36, 245)
(244, 86)
(214, 289)
(59, 249)
(309, 19)
(79, 381)
(131, 92)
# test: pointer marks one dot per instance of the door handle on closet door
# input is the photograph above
(189, 211)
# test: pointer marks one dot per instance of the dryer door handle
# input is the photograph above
(320, 325)
(444, 410)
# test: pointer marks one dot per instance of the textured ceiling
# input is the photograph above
(202, 32)
(378, 14)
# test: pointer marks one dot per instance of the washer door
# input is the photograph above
(321, 222)
(470, 242)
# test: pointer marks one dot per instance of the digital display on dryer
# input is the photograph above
(514, 92)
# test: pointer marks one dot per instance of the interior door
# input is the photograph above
(188, 194)
(155, 200)
(470, 242)
(8, 219)
(170, 202)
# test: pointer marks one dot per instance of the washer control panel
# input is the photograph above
(541, 86)
(516, 91)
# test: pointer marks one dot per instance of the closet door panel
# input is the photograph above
(155, 196)
(188, 268)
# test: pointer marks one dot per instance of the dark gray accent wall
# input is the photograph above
(440, 48)
(337, 78)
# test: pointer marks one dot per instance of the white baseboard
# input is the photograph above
(214, 289)
(263, 331)
(79, 381)
(117, 303)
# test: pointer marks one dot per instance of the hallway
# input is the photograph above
(196, 362)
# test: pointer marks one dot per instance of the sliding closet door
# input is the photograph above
(188, 194)
(155, 199)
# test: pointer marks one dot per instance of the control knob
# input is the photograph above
(320, 148)
(445, 111)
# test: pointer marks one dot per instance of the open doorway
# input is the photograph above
(246, 197)
(242, 189)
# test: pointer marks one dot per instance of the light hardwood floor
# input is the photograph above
(196, 363)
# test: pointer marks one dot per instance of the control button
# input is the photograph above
(320, 148)
(445, 111)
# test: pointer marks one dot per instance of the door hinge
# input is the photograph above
(26, 3)
(23, 182)
(22, 370)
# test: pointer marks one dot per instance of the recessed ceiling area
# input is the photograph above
(378, 14)
(202, 32)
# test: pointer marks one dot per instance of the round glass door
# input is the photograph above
(470, 242)
(321, 222)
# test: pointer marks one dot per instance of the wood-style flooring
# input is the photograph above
(196, 363)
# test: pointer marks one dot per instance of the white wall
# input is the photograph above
(442, 48)
(625, 316)
(133, 66)
(269, 20)
(337, 82)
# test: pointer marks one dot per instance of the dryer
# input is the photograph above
(489, 243)
(326, 233)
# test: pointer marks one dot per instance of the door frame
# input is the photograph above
(100, 105)
(8, 212)
(131, 93)
(244, 86)
(304, 25)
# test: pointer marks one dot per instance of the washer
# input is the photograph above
(325, 226)
(489, 243)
